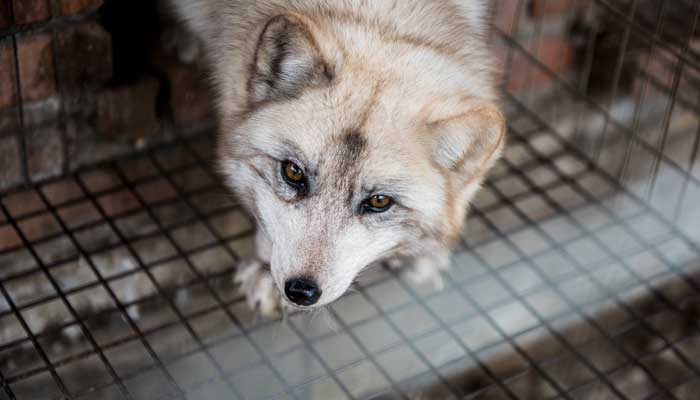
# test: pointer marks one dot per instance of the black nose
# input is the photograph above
(302, 292)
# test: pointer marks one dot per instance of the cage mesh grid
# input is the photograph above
(577, 277)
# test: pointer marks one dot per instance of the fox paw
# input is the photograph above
(259, 288)
(395, 263)
(429, 270)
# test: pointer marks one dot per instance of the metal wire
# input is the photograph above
(573, 280)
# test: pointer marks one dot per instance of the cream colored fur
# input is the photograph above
(412, 79)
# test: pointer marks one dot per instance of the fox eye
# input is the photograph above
(294, 176)
(377, 204)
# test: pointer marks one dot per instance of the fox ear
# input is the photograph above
(471, 141)
(287, 60)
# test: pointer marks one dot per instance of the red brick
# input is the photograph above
(556, 53)
(128, 112)
(44, 153)
(36, 67)
(27, 11)
(9, 121)
(156, 191)
(85, 52)
(118, 203)
(101, 180)
(506, 14)
(8, 238)
(663, 67)
(501, 52)
(22, 203)
(190, 96)
(79, 214)
(139, 169)
(71, 7)
(62, 191)
(10, 168)
(7, 78)
(38, 227)
(550, 8)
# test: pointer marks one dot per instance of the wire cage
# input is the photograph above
(578, 276)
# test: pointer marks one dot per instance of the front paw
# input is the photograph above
(395, 263)
(429, 269)
(259, 288)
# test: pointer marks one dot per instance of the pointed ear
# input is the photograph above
(287, 60)
(470, 141)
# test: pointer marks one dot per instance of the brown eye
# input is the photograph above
(378, 204)
(294, 175)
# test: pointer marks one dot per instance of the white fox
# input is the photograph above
(353, 131)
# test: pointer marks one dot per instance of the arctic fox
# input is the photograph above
(354, 131)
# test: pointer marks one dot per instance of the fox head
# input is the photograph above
(357, 144)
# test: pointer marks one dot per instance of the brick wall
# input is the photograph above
(583, 42)
(77, 88)
(539, 39)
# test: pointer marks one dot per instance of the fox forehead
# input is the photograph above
(327, 143)
(371, 115)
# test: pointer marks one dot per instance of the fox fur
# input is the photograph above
(367, 97)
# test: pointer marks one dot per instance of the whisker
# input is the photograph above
(330, 320)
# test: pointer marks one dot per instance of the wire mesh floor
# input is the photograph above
(565, 286)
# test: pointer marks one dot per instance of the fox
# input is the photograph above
(353, 132)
